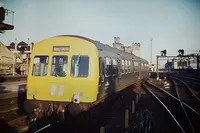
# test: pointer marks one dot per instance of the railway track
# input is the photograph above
(186, 86)
(13, 121)
(193, 82)
(12, 97)
(175, 105)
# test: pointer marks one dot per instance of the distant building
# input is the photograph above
(22, 51)
(134, 49)
(6, 60)
(117, 44)
(128, 49)
(178, 63)
(21, 46)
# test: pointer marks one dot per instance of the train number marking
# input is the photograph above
(61, 90)
(53, 90)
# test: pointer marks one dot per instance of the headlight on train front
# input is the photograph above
(76, 98)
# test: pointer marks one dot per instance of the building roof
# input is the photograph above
(6, 56)
(22, 43)
(12, 44)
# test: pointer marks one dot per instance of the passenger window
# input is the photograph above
(114, 62)
(108, 61)
(122, 67)
(126, 66)
(136, 66)
(79, 66)
(59, 66)
(40, 66)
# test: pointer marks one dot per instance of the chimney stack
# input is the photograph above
(31, 46)
(116, 40)
(28, 42)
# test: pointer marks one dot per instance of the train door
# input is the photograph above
(101, 70)
(101, 78)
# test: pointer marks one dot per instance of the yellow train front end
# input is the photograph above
(63, 69)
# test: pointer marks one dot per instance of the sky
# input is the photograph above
(173, 24)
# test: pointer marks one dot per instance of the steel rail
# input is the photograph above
(133, 125)
(174, 97)
(180, 101)
(188, 87)
(196, 81)
(43, 128)
(117, 102)
(165, 108)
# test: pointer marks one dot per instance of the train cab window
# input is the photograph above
(79, 66)
(59, 66)
(40, 66)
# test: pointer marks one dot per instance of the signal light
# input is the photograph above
(181, 52)
(163, 52)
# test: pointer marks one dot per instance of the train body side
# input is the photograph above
(118, 69)
(54, 88)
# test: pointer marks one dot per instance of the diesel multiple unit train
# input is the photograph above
(70, 73)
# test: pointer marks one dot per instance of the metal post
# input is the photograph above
(137, 99)
(133, 106)
(102, 130)
(15, 44)
(157, 69)
(27, 57)
(151, 51)
(126, 118)
(13, 71)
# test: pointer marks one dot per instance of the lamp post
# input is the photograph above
(151, 39)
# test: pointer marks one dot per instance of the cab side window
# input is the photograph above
(79, 66)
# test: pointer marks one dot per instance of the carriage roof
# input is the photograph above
(111, 51)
